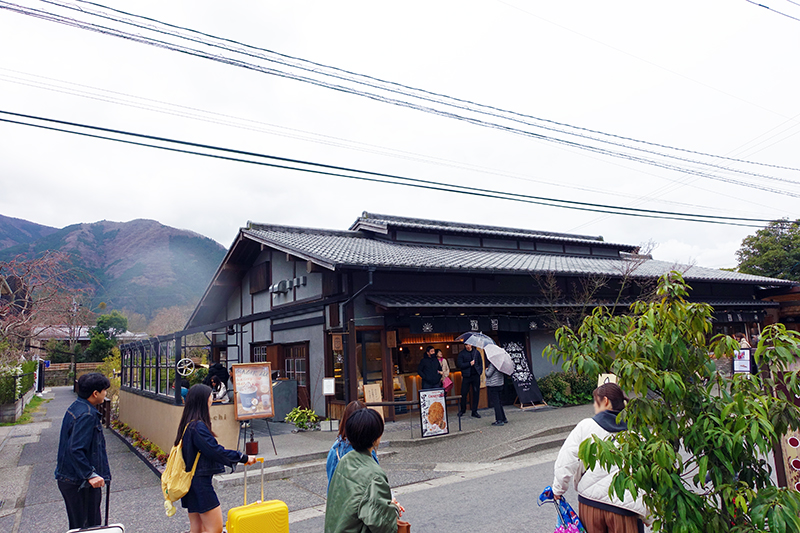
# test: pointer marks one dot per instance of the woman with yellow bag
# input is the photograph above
(196, 437)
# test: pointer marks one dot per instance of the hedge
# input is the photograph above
(567, 388)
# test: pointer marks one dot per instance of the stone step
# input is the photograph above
(298, 466)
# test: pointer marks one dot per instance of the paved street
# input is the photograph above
(445, 484)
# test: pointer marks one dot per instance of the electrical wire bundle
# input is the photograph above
(99, 18)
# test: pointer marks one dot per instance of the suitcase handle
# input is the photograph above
(260, 460)
(108, 499)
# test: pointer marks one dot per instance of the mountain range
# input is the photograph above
(140, 266)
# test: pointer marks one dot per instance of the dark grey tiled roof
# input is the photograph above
(338, 249)
(380, 224)
(510, 301)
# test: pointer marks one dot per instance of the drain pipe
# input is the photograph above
(345, 328)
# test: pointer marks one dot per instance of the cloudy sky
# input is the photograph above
(717, 77)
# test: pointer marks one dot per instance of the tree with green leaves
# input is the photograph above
(697, 442)
(102, 337)
(773, 251)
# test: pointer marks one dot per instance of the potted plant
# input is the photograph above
(304, 419)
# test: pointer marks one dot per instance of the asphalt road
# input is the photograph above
(505, 501)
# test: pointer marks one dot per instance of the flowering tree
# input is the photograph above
(697, 441)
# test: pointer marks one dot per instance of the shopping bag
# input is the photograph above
(567, 520)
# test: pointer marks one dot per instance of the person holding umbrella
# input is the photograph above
(471, 364)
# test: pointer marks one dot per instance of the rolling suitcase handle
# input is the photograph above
(108, 500)
(260, 460)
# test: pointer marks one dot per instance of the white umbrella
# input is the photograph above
(500, 359)
(478, 340)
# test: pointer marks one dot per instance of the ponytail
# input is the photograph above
(613, 393)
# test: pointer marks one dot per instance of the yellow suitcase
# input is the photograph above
(258, 517)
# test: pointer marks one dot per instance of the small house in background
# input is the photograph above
(360, 305)
(79, 334)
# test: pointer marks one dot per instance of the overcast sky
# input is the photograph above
(715, 76)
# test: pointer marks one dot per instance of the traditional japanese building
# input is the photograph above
(360, 305)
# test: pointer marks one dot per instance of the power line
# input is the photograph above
(328, 140)
(315, 66)
(377, 177)
(773, 10)
(424, 95)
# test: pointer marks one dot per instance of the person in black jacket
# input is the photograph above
(82, 464)
(471, 364)
(205, 514)
(430, 370)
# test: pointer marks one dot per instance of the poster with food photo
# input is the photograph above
(433, 412)
(252, 391)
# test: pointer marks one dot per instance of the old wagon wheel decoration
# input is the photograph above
(185, 367)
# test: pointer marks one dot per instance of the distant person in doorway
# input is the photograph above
(82, 464)
(447, 382)
(201, 502)
(742, 340)
(494, 386)
(471, 364)
(218, 390)
(342, 446)
(429, 370)
(599, 512)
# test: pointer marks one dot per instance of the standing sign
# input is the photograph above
(741, 361)
(787, 454)
(433, 412)
(372, 394)
(524, 380)
(252, 390)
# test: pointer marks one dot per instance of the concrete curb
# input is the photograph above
(409, 443)
(276, 472)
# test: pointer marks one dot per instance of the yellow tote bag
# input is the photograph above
(176, 481)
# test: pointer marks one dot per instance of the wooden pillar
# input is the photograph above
(388, 374)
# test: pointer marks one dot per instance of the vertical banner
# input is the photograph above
(524, 381)
(433, 413)
(252, 391)
(787, 454)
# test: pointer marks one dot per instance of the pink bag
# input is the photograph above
(448, 384)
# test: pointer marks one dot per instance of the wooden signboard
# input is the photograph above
(372, 394)
(252, 391)
(336, 343)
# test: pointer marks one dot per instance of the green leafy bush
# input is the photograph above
(567, 388)
(303, 418)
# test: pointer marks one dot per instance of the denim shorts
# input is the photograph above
(201, 497)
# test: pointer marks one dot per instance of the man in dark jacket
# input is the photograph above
(429, 370)
(471, 364)
(82, 466)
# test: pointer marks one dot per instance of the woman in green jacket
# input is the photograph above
(359, 498)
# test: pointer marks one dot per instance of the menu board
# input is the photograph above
(741, 361)
(524, 382)
(252, 391)
(433, 412)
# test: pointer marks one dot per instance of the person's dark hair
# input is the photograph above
(88, 383)
(195, 408)
(439, 352)
(351, 408)
(364, 427)
(613, 393)
(428, 350)
(214, 381)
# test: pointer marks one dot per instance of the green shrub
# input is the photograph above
(567, 388)
(198, 375)
(303, 418)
